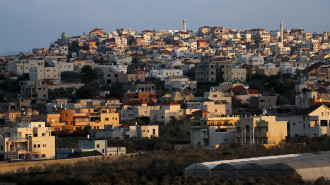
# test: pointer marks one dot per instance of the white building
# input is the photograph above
(309, 122)
(164, 73)
(180, 82)
(166, 113)
(45, 73)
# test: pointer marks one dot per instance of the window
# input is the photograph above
(324, 123)
(36, 156)
(43, 155)
(35, 146)
(1, 147)
(102, 150)
(97, 146)
(43, 145)
(38, 145)
(106, 119)
(43, 134)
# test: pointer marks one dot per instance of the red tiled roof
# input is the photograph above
(321, 89)
(166, 52)
(237, 89)
(247, 66)
(200, 111)
(202, 40)
(112, 99)
(133, 102)
(182, 32)
(253, 91)
(124, 126)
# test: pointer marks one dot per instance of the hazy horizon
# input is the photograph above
(37, 23)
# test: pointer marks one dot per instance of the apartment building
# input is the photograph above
(164, 73)
(309, 122)
(87, 148)
(180, 83)
(49, 74)
(28, 141)
(137, 131)
(68, 121)
(37, 92)
(166, 112)
(260, 130)
(107, 75)
(135, 109)
(22, 66)
(209, 130)
(134, 76)
(143, 97)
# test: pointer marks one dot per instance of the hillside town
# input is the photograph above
(208, 88)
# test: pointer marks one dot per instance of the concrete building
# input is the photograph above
(268, 70)
(209, 130)
(260, 130)
(107, 75)
(35, 91)
(309, 122)
(49, 74)
(143, 131)
(132, 110)
(164, 73)
(88, 147)
(143, 97)
(263, 101)
(180, 83)
(68, 121)
(166, 113)
(28, 141)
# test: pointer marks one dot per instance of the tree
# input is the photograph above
(86, 92)
(88, 74)
(136, 64)
(219, 75)
(87, 128)
(74, 47)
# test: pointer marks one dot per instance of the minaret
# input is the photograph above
(282, 32)
(184, 25)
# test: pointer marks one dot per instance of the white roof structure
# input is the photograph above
(310, 166)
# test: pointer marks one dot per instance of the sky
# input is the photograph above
(27, 24)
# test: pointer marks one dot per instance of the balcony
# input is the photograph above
(18, 139)
(21, 150)
(57, 124)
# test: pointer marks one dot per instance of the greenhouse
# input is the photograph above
(310, 166)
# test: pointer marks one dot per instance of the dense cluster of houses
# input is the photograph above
(182, 60)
